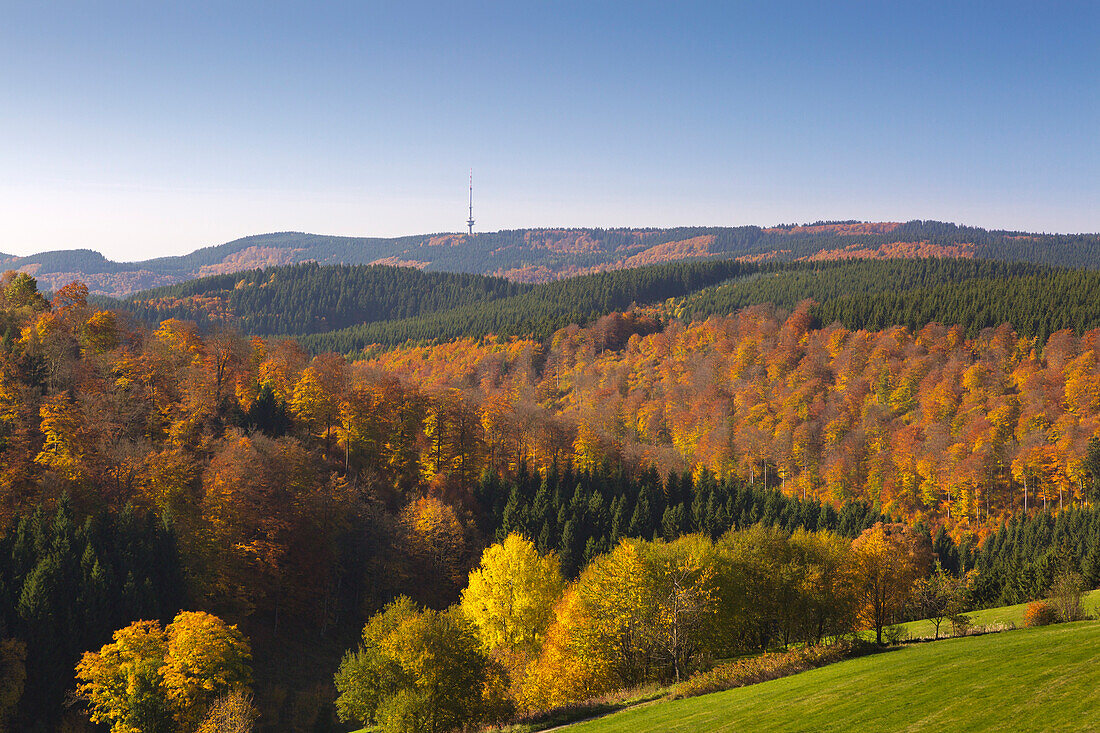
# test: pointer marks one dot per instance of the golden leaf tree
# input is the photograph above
(151, 679)
(204, 659)
(889, 559)
(510, 599)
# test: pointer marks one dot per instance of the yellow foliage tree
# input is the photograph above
(180, 338)
(204, 659)
(561, 676)
(889, 559)
(100, 332)
(317, 395)
(122, 683)
(638, 612)
(435, 539)
(613, 591)
(510, 598)
(63, 426)
(151, 679)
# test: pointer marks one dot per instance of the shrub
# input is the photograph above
(1040, 613)
(894, 635)
(230, 713)
(770, 666)
(1066, 594)
(960, 624)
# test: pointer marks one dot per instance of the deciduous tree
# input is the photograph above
(890, 558)
(510, 597)
(122, 681)
(936, 597)
(150, 679)
(204, 658)
(418, 671)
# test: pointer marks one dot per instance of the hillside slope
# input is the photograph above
(1010, 616)
(311, 298)
(539, 255)
(1043, 679)
(345, 308)
(334, 307)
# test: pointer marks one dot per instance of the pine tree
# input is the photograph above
(570, 550)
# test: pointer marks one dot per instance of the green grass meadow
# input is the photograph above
(1040, 679)
(1004, 615)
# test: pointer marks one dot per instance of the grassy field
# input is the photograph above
(1043, 679)
(1006, 615)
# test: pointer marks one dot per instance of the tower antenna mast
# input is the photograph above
(470, 221)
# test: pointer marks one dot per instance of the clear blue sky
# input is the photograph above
(140, 130)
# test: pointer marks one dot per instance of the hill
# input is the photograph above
(540, 255)
(346, 308)
(311, 298)
(861, 294)
(542, 310)
(1042, 679)
(1011, 616)
(876, 294)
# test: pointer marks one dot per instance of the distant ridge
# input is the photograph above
(540, 255)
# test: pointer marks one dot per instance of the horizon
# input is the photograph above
(140, 131)
(538, 228)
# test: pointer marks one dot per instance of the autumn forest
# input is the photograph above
(318, 497)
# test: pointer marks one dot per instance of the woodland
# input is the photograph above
(524, 496)
(392, 306)
(543, 255)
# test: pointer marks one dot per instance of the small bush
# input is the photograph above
(593, 708)
(764, 667)
(1040, 613)
(960, 624)
(230, 713)
(1066, 594)
(894, 635)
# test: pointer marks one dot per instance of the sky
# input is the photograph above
(146, 129)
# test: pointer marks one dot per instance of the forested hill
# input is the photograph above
(862, 294)
(973, 294)
(543, 309)
(321, 300)
(311, 298)
(539, 255)
(347, 308)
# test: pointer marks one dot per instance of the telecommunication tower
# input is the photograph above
(470, 221)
